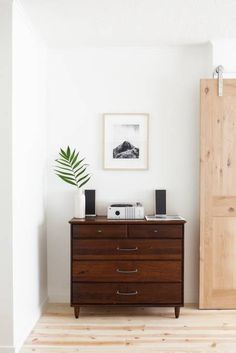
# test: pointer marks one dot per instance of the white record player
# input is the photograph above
(125, 211)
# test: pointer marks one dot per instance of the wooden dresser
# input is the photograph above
(127, 262)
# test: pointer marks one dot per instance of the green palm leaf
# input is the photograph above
(70, 168)
(63, 153)
(75, 158)
(78, 163)
(80, 173)
(59, 172)
(72, 156)
(68, 180)
(84, 182)
(63, 156)
(68, 152)
(82, 178)
(82, 166)
(62, 168)
(62, 163)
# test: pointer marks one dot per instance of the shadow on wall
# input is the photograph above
(42, 262)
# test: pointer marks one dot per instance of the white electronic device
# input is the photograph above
(125, 211)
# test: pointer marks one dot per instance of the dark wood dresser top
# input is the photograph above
(105, 220)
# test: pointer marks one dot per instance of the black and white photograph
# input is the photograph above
(126, 141)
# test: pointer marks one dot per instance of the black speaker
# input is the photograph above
(90, 203)
(160, 201)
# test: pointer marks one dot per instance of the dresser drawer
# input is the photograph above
(99, 231)
(127, 249)
(155, 231)
(126, 293)
(127, 271)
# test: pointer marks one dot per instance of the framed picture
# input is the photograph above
(126, 141)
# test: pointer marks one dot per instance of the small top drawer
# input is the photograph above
(99, 231)
(155, 231)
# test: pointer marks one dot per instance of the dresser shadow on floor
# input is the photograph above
(122, 311)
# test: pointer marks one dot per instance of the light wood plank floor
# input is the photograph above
(133, 330)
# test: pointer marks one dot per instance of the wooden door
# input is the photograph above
(218, 196)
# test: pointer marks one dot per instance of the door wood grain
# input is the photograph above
(218, 196)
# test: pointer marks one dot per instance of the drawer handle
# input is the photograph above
(99, 231)
(155, 231)
(127, 249)
(126, 271)
(127, 293)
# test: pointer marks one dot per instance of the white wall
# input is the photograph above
(6, 309)
(29, 155)
(6, 299)
(162, 81)
(224, 53)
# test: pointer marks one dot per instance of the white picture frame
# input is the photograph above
(125, 141)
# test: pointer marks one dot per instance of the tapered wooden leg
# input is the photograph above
(177, 311)
(76, 310)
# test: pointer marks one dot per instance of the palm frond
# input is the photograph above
(70, 168)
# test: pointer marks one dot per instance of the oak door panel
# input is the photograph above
(218, 196)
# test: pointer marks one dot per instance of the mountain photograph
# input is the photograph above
(126, 150)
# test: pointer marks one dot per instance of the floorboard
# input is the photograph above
(133, 330)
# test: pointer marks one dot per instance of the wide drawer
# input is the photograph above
(155, 231)
(99, 231)
(127, 271)
(126, 293)
(127, 249)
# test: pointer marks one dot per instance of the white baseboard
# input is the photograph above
(38, 314)
(7, 349)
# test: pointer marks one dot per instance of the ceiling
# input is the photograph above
(74, 23)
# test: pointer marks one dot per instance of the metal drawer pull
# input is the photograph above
(127, 271)
(126, 293)
(155, 231)
(99, 231)
(127, 249)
